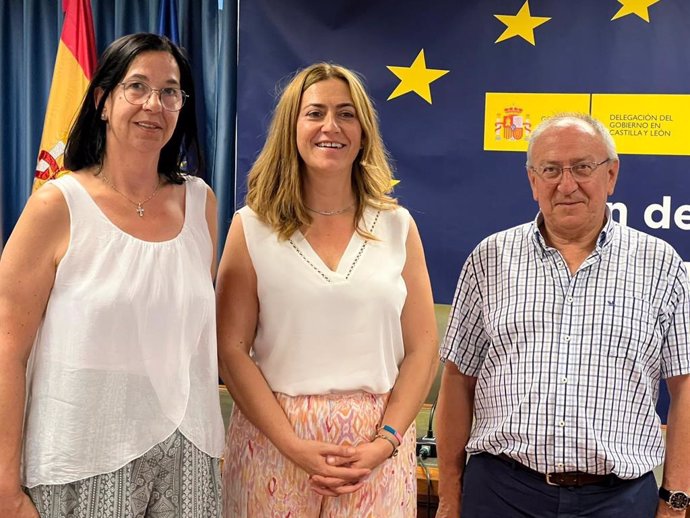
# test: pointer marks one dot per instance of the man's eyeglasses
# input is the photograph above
(581, 172)
(138, 92)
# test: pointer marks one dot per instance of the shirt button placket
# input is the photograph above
(562, 374)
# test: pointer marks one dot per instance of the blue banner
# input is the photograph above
(460, 85)
(431, 67)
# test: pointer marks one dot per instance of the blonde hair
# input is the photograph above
(275, 180)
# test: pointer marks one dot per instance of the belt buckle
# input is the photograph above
(548, 480)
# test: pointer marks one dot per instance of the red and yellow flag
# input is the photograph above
(74, 66)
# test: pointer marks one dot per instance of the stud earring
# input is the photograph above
(104, 117)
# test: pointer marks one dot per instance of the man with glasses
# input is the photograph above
(559, 334)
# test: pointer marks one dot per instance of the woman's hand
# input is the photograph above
(371, 454)
(17, 505)
(365, 456)
(329, 479)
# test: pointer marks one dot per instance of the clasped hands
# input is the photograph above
(336, 470)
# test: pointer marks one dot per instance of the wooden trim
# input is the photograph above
(422, 484)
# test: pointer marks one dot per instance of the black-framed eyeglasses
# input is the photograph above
(581, 172)
(138, 93)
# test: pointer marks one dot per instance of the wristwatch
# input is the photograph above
(676, 500)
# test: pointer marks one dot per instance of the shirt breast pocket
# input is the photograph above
(629, 327)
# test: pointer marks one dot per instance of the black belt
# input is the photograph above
(565, 479)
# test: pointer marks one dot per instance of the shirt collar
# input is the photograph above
(535, 233)
(603, 241)
(607, 233)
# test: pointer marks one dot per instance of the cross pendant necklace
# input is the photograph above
(139, 204)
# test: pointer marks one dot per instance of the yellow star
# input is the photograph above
(522, 24)
(416, 78)
(638, 7)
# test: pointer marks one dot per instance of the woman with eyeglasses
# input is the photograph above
(107, 312)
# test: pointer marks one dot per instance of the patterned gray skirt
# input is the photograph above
(174, 479)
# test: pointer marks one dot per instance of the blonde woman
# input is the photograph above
(327, 336)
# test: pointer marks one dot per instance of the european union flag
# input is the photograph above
(455, 84)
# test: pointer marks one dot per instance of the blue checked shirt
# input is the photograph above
(568, 366)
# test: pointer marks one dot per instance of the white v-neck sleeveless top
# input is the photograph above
(126, 351)
(322, 331)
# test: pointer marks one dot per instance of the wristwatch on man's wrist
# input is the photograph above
(676, 500)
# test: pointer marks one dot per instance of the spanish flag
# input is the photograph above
(74, 66)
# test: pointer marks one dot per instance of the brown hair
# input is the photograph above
(275, 179)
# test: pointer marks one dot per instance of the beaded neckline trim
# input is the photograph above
(351, 269)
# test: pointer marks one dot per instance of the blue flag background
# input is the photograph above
(457, 192)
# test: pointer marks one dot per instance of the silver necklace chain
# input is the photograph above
(330, 212)
(139, 204)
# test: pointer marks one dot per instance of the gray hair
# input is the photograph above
(573, 118)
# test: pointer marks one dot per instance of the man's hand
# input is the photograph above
(447, 509)
(664, 511)
(453, 424)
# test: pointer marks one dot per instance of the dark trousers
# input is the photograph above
(493, 487)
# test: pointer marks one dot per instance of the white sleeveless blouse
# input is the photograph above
(322, 331)
(126, 351)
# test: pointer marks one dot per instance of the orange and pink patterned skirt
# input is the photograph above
(259, 482)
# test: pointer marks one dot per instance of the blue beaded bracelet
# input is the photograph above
(393, 432)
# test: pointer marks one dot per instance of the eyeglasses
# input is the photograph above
(137, 92)
(581, 172)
